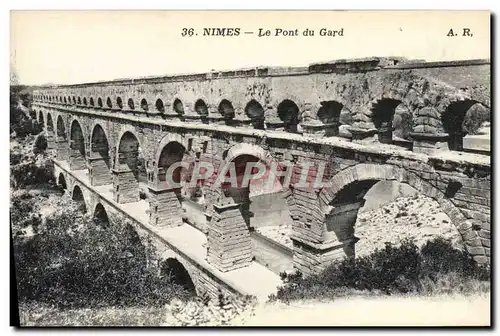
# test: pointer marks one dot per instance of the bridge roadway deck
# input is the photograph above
(254, 280)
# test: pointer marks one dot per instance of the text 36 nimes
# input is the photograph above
(262, 32)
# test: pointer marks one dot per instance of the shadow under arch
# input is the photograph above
(77, 196)
(100, 215)
(77, 147)
(99, 160)
(175, 271)
(348, 187)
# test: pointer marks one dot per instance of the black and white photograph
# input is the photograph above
(230, 168)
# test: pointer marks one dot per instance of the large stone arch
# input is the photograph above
(78, 195)
(104, 125)
(100, 214)
(99, 158)
(165, 198)
(126, 166)
(124, 129)
(41, 118)
(77, 146)
(62, 139)
(61, 181)
(229, 208)
(249, 149)
(191, 271)
(246, 149)
(50, 131)
(170, 137)
(255, 111)
(365, 172)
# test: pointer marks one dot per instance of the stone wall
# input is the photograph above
(322, 219)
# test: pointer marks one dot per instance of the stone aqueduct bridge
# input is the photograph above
(274, 115)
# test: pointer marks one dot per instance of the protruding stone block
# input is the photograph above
(311, 258)
(125, 186)
(359, 134)
(76, 160)
(229, 243)
(321, 130)
(165, 207)
(99, 171)
(428, 143)
(62, 150)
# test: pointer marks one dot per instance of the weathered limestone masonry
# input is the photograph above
(361, 120)
(204, 282)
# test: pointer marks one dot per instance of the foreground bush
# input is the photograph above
(31, 174)
(476, 116)
(75, 261)
(436, 267)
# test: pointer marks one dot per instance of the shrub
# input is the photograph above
(476, 116)
(30, 174)
(392, 270)
(27, 127)
(23, 215)
(75, 261)
(40, 144)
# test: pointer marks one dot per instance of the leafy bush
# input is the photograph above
(40, 144)
(392, 270)
(75, 261)
(23, 214)
(30, 174)
(27, 127)
(476, 116)
(19, 122)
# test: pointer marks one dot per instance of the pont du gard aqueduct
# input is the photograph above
(357, 122)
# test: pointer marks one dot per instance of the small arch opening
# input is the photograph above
(119, 102)
(226, 109)
(255, 112)
(382, 117)
(175, 272)
(288, 112)
(91, 101)
(85, 101)
(462, 118)
(144, 105)
(101, 216)
(159, 106)
(99, 102)
(61, 182)
(109, 104)
(131, 104)
(201, 108)
(178, 107)
(172, 152)
(77, 196)
(329, 115)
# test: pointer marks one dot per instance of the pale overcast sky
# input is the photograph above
(64, 47)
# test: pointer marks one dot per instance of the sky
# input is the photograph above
(69, 47)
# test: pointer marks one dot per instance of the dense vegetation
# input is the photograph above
(75, 260)
(435, 268)
(65, 257)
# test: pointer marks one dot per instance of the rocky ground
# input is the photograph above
(416, 217)
(280, 234)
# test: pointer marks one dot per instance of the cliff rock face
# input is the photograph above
(416, 217)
